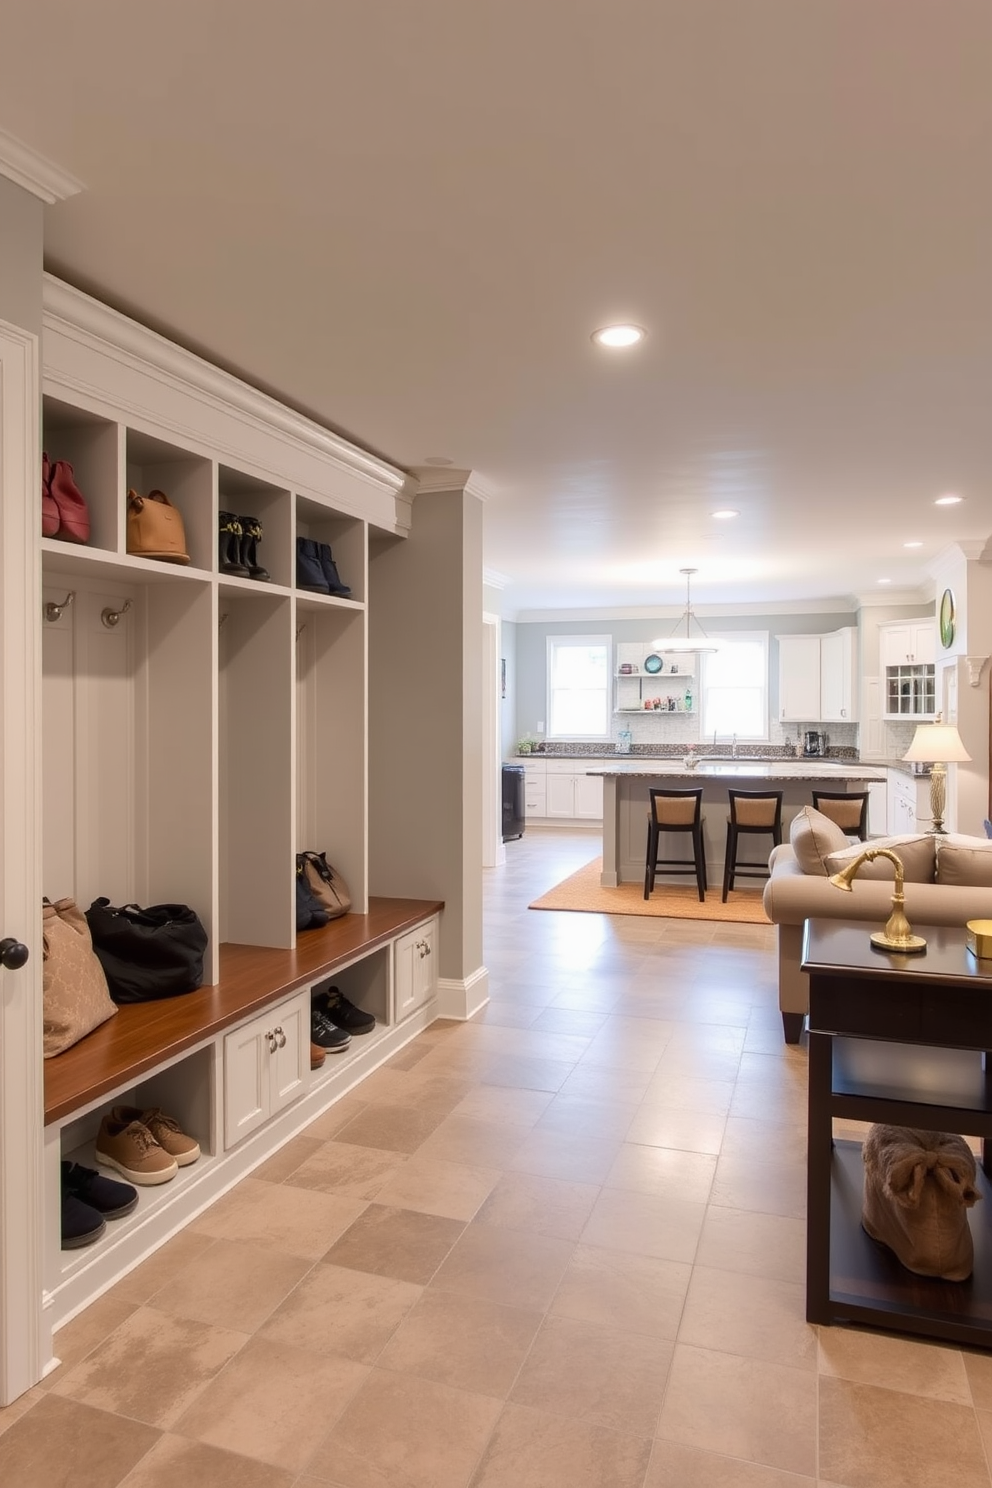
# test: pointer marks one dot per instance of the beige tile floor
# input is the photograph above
(558, 1247)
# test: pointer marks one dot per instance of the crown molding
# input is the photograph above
(432, 478)
(884, 599)
(34, 172)
(88, 321)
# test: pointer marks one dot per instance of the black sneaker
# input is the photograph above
(81, 1225)
(107, 1196)
(324, 1033)
(342, 1013)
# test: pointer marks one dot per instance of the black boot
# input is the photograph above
(251, 536)
(230, 546)
(331, 572)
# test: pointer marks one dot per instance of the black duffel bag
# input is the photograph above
(147, 953)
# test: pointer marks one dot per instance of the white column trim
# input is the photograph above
(23, 1349)
(462, 998)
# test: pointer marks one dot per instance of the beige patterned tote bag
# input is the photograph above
(76, 999)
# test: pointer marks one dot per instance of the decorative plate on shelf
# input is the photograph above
(653, 663)
(947, 619)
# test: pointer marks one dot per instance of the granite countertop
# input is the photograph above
(744, 769)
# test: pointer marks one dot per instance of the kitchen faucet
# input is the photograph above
(733, 748)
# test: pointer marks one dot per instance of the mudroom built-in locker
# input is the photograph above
(199, 729)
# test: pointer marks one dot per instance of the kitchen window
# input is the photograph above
(734, 687)
(579, 687)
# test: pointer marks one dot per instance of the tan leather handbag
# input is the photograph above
(155, 528)
(75, 996)
(325, 883)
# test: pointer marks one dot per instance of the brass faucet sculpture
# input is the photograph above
(898, 933)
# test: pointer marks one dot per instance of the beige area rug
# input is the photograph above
(583, 891)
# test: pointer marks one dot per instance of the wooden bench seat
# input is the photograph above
(143, 1035)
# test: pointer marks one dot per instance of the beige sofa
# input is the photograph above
(944, 885)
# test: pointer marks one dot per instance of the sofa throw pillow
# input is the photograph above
(964, 862)
(915, 850)
(813, 836)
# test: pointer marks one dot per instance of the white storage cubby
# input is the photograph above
(331, 739)
(247, 496)
(199, 730)
(257, 894)
(346, 538)
(190, 482)
(93, 447)
(184, 1089)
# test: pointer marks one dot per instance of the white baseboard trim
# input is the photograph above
(461, 999)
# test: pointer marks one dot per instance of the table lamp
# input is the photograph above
(937, 744)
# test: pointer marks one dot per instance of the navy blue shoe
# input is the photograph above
(81, 1225)
(309, 569)
(107, 1196)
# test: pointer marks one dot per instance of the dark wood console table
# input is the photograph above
(899, 1039)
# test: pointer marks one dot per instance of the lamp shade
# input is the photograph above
(935, 742)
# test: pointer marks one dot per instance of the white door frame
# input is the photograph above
(24, 1350)
(493, 851)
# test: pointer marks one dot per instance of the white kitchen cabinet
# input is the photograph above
(535, 787)
(817, 677)
(589, 797)
(878, 808)
(908, 643)
(572, 795)
(907, 653)
(414, 970)
(908, 802)
(799, 679)
(838, 669)
(266, 1067)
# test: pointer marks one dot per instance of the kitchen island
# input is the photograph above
(625, 802)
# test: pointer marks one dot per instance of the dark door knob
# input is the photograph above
(12, 954)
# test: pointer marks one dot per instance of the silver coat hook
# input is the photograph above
(110, 616)
(53, 611)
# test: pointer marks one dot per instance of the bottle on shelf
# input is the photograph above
(688, 700)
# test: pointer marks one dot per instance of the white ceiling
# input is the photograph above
(406, 217)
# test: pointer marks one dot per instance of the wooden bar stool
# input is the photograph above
(848, 809)
(675, 811)
(750, 812)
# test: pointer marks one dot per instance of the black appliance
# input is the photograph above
(814, 744)
(514, 801)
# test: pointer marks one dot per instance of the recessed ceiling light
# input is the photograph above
(885, 581)
(619, 335)
(948, 500)
(913, 545)
(725, 515)
(437, 460)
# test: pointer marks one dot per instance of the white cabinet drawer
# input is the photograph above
(414, 969)
(266, 1066)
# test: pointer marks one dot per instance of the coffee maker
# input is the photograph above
(814, 744)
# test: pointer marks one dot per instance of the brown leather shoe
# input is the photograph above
(317, 1056)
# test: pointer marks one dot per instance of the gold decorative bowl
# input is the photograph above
(980, 938)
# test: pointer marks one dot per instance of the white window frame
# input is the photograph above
(553, 642)
(724, 641)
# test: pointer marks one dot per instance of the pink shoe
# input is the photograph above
(74, 517)
(49, 509)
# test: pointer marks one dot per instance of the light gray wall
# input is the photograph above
(531, 649)
(21, 261)
(425, 719)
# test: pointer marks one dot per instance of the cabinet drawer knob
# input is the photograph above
(280, 1039)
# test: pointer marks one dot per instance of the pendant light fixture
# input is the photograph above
(685, 643)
